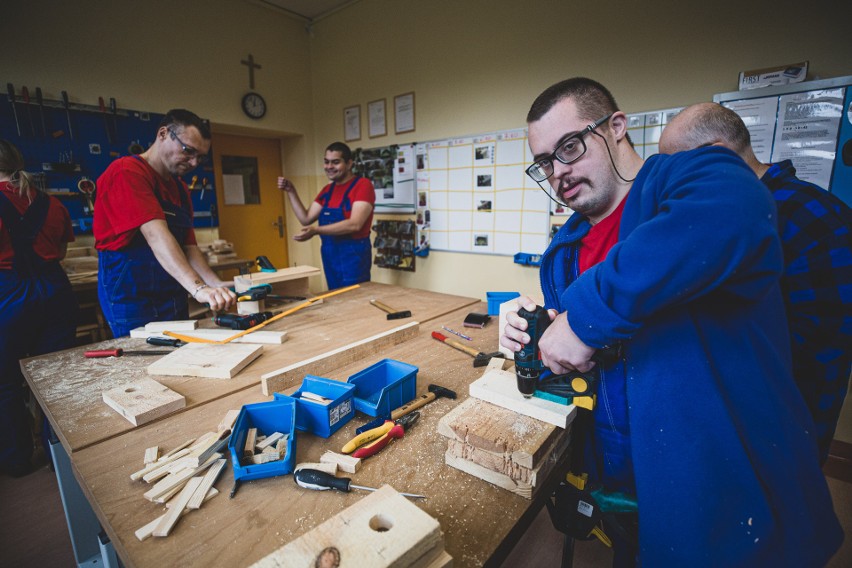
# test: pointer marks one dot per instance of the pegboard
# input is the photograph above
(394, 244)
(63, 144)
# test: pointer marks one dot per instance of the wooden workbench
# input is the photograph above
(480, 522)
(68, 386)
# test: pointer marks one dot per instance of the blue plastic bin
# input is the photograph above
(278, 415)
(497, 298)
(323, 419)
(384, 387)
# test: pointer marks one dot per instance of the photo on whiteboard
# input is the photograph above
(483, 152)
(483, 181)
(421, 161)
(480, 240)
(484, 205)
(422, 199)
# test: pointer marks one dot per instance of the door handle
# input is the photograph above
(280, 225)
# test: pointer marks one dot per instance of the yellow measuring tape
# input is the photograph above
(190, 339)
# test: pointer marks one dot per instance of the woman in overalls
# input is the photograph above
(38, 310)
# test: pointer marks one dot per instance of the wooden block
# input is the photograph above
(251, 441)
(269, 440)
(281, 379)
(151, 454)
(520, 439)
(245, 281)
(206, 483)
(500, 388)
(206, 360)
(382, 530)
(213, 444)
(348, 464)
(227, 422)
(261, 336)
(179, 325)
(247, 307)
(146, 531)
(143, 400)
(316, 398)
(168, 521)
(171, 456)
(176, 480)
(330, 468)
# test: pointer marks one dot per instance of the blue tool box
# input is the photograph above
(278, 415)
(323, 419)
(497, 298)
(383, 387)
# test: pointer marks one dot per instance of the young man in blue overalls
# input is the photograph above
(344, 209)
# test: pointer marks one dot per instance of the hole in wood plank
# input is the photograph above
(381, 523)
(328, 558)
(130, 389)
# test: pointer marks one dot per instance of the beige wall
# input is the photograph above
(475, 66)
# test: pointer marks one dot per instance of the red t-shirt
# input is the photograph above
(54, 233)
(600, 238)
(126, 201)
(363, 191)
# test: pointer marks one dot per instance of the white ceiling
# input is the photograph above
(309, 9)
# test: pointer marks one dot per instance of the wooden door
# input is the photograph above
(256, 224)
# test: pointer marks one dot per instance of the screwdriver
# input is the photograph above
(165, 342)
(98, 353)
(321, 481)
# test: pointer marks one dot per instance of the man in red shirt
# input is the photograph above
(148, 256)
(344, 209)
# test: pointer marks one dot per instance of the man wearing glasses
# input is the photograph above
(700, 424)
(148, 256)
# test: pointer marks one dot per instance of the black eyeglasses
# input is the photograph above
(189, 151)
(567, 151)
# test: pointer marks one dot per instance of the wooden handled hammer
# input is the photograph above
(480, 359)
(392, 313)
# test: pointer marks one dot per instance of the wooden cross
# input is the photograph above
(251, 67)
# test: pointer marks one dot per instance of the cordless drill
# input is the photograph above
(238, 322)
(529, 366)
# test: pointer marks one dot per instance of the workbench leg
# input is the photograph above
(108, 555)
(83, 525)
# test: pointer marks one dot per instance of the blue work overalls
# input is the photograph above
(346, 261)
(133, 288)
(38, 315)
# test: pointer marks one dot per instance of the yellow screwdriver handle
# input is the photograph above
(366, 437)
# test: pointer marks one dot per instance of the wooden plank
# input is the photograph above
(206, 483)
(147, 531)
(520, 439)
(245, 281)
(168, 458)
(320, 365)
(227, 422)
(382, 530)
(206, 360)
(348, 464)
(176, 325)
(175, 481)
(168, 521)
(152, 454)
(262, 336)
(143, 400)
(500, 388)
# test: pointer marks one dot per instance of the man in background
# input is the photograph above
(344, 209)
(814, 226)
(148, 257)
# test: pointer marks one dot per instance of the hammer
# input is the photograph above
(435, 391)
(392, 313)
(480, 359)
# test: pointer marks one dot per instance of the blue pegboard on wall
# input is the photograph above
(63, 145)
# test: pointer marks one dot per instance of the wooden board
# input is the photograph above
(143, 400)
(261, 336)
(518, 439)
(286, 377)
(177, 325)
(206, 360)
(382, 530)
(501, 388)
(244, 282)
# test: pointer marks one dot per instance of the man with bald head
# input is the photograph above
(814, 226)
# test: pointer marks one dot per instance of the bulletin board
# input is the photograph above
(473, 195)
(808, 123)
(391, 171)
(63, 146)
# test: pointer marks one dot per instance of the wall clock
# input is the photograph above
(254, 106)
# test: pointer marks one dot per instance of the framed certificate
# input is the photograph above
(377, 122)
(352, 123)
(403, 109)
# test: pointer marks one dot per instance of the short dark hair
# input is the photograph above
(183, 118)
(593, 100)
(345, 151)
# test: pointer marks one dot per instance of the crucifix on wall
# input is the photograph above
(251, 67)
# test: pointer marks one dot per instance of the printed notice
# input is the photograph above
(759, 117)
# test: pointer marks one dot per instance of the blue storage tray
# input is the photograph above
(323, 419)
(384, 387)
(497, 298)
(278, 415)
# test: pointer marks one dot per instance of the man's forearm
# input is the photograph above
(170, 255)
(197, 261)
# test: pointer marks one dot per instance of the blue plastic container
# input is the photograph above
(323, 419)
(384, 387)
(528, 259)
(278, 415)
(497, 298)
